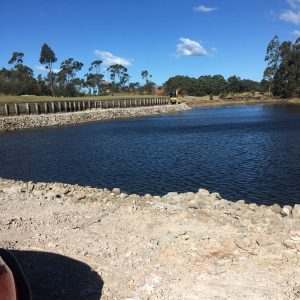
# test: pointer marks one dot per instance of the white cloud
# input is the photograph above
(294, 3)
(110, 59)
(291, 17)
(43, 69)
(188, 47)
(296, 33)
(215, 50)
(204, 9)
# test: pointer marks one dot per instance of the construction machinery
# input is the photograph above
(174, 97)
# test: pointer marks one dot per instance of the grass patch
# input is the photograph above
(7, 99)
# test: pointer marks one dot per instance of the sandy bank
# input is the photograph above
(206, 102)
(45, 120)
(179, 246)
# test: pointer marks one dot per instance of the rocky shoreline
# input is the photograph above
(11, 123)
(178, 246)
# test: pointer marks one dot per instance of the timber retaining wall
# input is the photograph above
(71, 106)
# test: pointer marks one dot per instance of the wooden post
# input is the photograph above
(37, 108)
(89, 105)
(59, 107)
(53, 107)
(46, 107)
(28, 108)
(6, 109)
(17, 109)
(65, 106)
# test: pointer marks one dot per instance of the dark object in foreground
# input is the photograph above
(13, 284)
(53, 276)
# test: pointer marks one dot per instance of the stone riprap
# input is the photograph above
(178, 246)
(32, 121)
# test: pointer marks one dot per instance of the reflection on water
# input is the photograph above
(249, 152)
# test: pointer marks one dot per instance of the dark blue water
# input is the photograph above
(245, 152)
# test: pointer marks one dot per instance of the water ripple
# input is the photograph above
(242, 152)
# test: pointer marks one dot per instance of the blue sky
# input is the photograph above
(165, 37)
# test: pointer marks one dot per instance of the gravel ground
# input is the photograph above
(84, 243)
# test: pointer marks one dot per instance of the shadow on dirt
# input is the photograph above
(52, 276)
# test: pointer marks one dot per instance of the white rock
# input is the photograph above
(286, 211)
(203, 192)
(116, 191)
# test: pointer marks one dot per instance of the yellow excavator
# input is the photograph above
(174, 97)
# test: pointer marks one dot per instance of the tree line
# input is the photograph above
(20, 80)
(212, 85)
(281, 77)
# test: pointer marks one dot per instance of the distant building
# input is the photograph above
(106, 87)
(159, 91)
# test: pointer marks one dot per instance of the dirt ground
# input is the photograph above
(83, 243)
(238, 99)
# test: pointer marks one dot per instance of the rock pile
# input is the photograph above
(32, 121)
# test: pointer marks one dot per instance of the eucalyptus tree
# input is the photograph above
(94, 82)
(94, 79)
(273, 59)
(17, 58)
(48, 58)
(120, 73)
(134, 87)
(20, 79)
(65, 77)
(95, 66)
(145, 74)
(149, 87)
